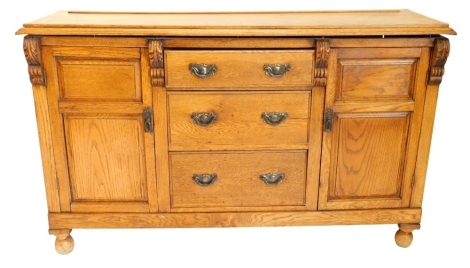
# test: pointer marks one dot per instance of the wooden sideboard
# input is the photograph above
(234, 119)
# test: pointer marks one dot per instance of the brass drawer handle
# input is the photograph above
(274, 118)
(205, 179)
(276, 70)
(272, 178)
(203, 70)
(204, 119)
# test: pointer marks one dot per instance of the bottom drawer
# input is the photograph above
(241, 179)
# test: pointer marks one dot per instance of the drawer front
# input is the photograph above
(226, 69)
(237, 182)
(239, 119)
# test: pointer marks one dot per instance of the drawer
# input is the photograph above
(238, 120)
(234, 68)
(234, 179)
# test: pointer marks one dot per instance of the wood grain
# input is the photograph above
(379, 41)
(57, 131)
(96, 52)
(161, 145)
(149, 137)
(370, 156)
(238, 179)
(424, 146)
(227, 219)
(109, 206)
(373, 127)
(96, 79)
(239, 120)
(307, 23)
(237, 68)
(47, 149)
(106, 158)
(315, 147)
(96, 41)
(376, 79)
(246, 42)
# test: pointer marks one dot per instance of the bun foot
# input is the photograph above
(404, 236)
(64, 242)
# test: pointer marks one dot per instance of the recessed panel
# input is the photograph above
(99, 79)
(376, 79)
(370, 156)
(106, 158)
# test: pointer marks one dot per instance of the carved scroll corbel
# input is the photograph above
(32, 53)
(322, 52)
(439, 56)
(157, 71)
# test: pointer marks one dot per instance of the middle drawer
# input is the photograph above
(238, 121)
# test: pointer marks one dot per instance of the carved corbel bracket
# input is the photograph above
(322, 52)
(32, 53)
(439, 56)
(157, 70)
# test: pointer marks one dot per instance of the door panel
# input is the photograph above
(377, 96)
(105, 158)
(370, 155)
(105, 164)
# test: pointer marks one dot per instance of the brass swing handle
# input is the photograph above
(204, 119)
(205, 179)
(203, 70)
(272, 178)
(276, 70)
(274, 118)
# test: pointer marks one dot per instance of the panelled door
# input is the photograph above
(373, 112)
(101, 116)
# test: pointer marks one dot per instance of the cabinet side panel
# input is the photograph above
(57, 129)
(47, 149)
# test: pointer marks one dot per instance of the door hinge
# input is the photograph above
(328, 120)
(148, 120)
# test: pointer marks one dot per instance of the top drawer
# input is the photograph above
(281, 69)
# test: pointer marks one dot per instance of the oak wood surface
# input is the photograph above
(322, 23)
(33, 55)
(228, 219)
(379, 79)
(57, 131)
(314, 149)
(110, 162)
(237, 68)
(89, 79)
(390, 150)
(102, 170)
(106, 164)
(239, 121)
(238, 180)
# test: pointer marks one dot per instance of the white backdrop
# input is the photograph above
(24, 240)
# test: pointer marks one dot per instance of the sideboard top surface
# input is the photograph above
(305, 23)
